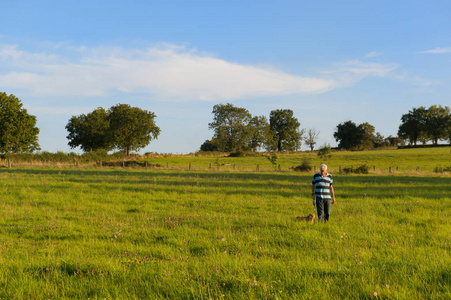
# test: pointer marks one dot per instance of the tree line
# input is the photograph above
(235, 130)
(426, 124)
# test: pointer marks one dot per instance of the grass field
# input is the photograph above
(405, 161)
(152, 234)
(379, 161)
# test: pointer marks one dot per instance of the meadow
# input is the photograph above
(380, 161)
(149, 233)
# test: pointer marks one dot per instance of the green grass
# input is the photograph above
(153, 234)
(379, 161)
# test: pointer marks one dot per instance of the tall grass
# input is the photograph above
(154, 234)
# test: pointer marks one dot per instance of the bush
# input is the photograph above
(440, 169)
(244, 154)
(362, 169)
(237, 154)
(306, 166)
(272, 158)
(325, 152)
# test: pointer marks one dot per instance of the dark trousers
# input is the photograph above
(323, 209)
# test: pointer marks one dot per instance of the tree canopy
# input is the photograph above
(231, 127)
(18, 131)
(122, 126)
(89, 132)
(423, 124)
(286, 130)
(236, 130)
(412, 127)
(437, 123)
(348, 135)
(131, 128)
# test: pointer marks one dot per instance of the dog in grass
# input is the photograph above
(309, 218)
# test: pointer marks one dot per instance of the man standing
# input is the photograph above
(323, 191)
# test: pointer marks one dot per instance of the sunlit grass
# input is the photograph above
(379, 161)
(123, 233)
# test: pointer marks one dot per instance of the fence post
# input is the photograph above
(374, 168)
(190, 166)
(279, 167)
(258, 167)
(210, 165)
(389, 169)
(123, 164)
(418, 169)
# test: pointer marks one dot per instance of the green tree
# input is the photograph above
(448, 128)
(208, 146)
(89, 132)
(368, 136)
(349, 135)
(258, 127)
(131, 128)
(380, 141)
(18, 131)
(286, 130)
(231, 126)
(436, 123)
(413, 125)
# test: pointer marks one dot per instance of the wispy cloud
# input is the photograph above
(349, 72)
(168, 71)
(373, 54)
(437, 50)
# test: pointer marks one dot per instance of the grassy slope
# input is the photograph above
(407, 160)
(190, 235)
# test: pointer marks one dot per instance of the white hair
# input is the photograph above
(323, 167)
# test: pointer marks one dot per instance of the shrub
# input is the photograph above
(237, 154)
(362, 169)
(440, 169)
(325, 152)
(306, 166)
(272, 158)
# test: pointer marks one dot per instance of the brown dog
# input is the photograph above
(309, 218)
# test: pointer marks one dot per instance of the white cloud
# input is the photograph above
(437, 50)
(373, 54)
(169, 71)
(352, 71)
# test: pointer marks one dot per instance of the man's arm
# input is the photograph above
(313, 194)
(332, 193)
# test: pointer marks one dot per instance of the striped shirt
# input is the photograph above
(322, 185)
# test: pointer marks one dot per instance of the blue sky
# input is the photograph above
(328, 61)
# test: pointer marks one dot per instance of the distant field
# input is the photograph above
(405, 160)
(154, 234)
